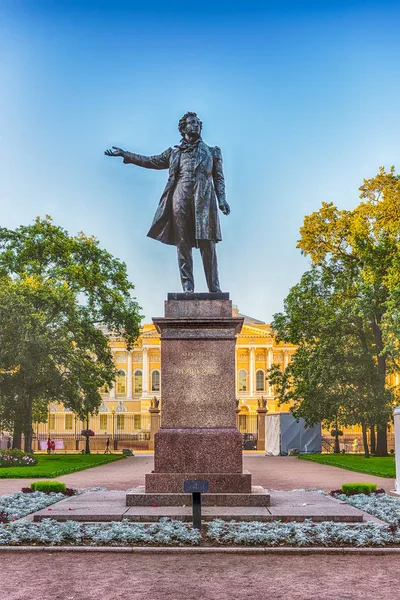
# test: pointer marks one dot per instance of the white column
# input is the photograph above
(145, 372)
(129, 375)
(270, 360)
(236, 374)
(285, 358)
(112, 386)
(252, 370)
(397, 446)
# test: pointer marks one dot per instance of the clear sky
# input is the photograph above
(302, 97)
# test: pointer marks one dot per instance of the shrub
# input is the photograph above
(48, 486)
(358, 488)
(16, 458)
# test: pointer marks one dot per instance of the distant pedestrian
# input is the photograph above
(107, 450)
(8, 443)
(53, 447)
(48, 446)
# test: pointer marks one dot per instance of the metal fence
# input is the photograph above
(247, 425)
(352, 442)
(125, 430)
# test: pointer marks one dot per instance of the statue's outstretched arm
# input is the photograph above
(158, 161)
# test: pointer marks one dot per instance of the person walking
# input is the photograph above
(107, 450)
(48, 446)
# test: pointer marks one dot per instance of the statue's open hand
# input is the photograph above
(224, 206)
(114, 152)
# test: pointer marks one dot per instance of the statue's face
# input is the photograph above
(192, 126)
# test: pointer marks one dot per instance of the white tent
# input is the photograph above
(283, 433)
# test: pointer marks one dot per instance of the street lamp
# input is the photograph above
(115, 442)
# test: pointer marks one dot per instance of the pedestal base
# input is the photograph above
(197, 450)
(221, 483)
(257, 497)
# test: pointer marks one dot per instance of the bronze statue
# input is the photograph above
(187, 215)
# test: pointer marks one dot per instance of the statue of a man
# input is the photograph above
(187, 215)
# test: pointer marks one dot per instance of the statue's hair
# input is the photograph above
(182, 121)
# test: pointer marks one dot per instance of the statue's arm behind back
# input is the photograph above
(218, 175)
(158, 161)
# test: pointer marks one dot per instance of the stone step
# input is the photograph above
(285, 506)
(257, 497)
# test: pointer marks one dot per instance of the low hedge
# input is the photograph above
(358, 488)
(48, 486)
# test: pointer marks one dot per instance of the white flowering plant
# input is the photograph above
(16, 458)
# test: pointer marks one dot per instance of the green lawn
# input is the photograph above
(380, 466)
(54, 465)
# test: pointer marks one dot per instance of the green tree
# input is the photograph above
(365, 244)
(58, 293)
(333, 377)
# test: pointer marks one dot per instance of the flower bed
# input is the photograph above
(217, 533)
(276, 533)
(382, 506)
(120, 533)
(19, 504)
(16, 458)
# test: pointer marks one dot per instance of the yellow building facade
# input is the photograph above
(124, 411)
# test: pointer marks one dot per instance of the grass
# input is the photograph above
(380, 466)
(54, 465)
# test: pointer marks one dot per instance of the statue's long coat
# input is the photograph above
(209, 184)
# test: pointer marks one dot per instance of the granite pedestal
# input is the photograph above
(198, 438)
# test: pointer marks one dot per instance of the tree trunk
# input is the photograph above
(336, 447)
(28, 436)
(365, 439)
(381, 440)
(28, 431)
(17, 434)
(373, 439)
(87, 445)
(381, 430)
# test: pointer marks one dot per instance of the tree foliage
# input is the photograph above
(355, 288)
(55, 292)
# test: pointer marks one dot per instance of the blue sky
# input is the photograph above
(302, 98)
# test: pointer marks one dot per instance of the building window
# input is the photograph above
(121, 383)
(137, 382)
(242, 381)
(52, 421)
(68, 421)
(155, 381)
(120, 422)
(260, 381)
(137, 421)
(103, 421)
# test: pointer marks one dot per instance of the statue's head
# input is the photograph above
(190, 124)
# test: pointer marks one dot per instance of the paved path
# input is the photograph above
(56, 576)
(274, 472)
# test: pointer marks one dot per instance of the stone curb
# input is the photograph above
(196, 550)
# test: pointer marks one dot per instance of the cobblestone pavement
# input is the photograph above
(277, 472)
(56, 576)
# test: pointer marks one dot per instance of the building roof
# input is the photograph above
(248, 319)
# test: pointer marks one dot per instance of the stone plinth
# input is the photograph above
(198, 438)
(154, 425)
(261, 412)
